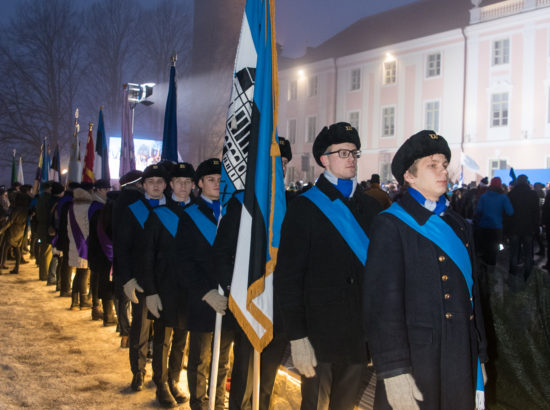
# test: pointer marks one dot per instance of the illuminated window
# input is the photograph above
(390, 72)
(312, 89)
(293, 90)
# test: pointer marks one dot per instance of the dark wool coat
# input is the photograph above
(163, 265)
(318, 278)
(128, 238)
(97, 260)
(199, 269)
(17, 222)
(526, 218)
(419, 316)
(62, 242)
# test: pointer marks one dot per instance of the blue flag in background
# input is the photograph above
(101, 164)
(252, 160)
(45, 171)
(170, 134)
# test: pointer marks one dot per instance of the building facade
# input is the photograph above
(484, 84)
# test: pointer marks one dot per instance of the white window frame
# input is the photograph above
(500, 52)
(355, 79)
(310, 137)
(291, 136)
(389, 72)
(312, 86)
(433, 68)
(503, 118)
(293, 90)
(499, 160)
(384, 113)
(436, 126)
(358, 121)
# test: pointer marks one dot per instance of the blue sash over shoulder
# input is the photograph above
(168, 218)
(343, 220)
(203, 223)
(140, 211)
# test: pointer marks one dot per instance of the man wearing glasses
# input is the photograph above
(319, 274)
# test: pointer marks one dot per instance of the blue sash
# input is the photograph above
(140, 211)
(441, 234)
(201, 221)
(343, 220)
(168, 218)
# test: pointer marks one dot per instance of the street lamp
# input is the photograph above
(138, 94)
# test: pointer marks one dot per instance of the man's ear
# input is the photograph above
(410, 178)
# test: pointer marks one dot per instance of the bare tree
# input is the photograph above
(39, 75)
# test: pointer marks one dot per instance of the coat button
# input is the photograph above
(350, 281)
(441, 258)
(467, 244)
(471, 317)
(448, 315)
(444, 278)
(447, 296)
(471, 299)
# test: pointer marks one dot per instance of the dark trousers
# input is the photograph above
(81, 285)
(65, 272)
(168, 347)
(17, 252)
(240, 397)
(489, 240)
(139, 335)
(122, 308)
(44, 259)
(53, 269)
(198, 367)
(334, 387)
(94, 288)
(521, 253)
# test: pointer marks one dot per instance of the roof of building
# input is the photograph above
(415, 20)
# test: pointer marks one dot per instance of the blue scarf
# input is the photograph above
(155, 202)
(180, 203)
(345, 186)
(437, 207)
(214, 205)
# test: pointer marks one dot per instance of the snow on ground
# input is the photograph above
(52, 357)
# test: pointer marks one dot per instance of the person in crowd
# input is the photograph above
(96, 257)
(225, 247)
(61, 240)
(422, 305)
(164, 286)
(78, 229)
(53, 270)
(130, 242)
(204, 301)
(522, 226)
(489, 214)
(319, 274)
(14, 229)
(43, 208)
(378, 193)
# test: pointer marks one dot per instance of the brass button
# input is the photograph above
(467, 244)
(441, 258)
(444, 278)
(447, 296)
(448, 315)
(471, 317)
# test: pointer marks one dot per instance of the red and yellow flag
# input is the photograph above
(88, 170)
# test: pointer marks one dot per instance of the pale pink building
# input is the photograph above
(476, 72)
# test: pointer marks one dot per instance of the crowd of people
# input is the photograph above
(358, 265)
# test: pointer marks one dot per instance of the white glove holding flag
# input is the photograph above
(303, 356)
(130, 288)
(216, 301)
(154, 304)
(402, 393)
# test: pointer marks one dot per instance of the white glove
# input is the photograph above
(484, 374)
(130, 288)
(216, 301)
(154, 304)
(303, 356)
(402, 392)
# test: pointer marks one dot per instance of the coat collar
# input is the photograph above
(417, 211)
(205, 209)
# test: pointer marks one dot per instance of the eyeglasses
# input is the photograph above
(345, 153)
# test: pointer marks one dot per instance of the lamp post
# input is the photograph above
(138, 94)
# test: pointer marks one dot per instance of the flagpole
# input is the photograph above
(215, 359)
(256, 381)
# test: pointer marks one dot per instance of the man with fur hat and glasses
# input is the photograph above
(319, 274)
(163, 283)
(421, 295)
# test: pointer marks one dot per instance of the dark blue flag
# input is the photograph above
(170, 134)
(101, 164)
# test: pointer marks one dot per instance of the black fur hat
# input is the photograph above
(335, 134)
(284, 147)
(208, 167)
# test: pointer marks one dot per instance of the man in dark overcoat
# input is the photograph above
(163, 283)
(319, 274)
(422, 305)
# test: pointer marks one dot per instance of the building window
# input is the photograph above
(499, 110)
(547, 162)
(293, 90)
(291, 172)
(388, 121)
(311, 131)
(501, 52)
(432, 115)
(355, 79)
(390, 72)
(312, 89)
(433, 65)
(354, 119)
(495, 164)
(291, 131)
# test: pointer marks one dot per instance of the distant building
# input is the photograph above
(478, 74)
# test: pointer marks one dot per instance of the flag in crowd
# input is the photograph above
(20, 176)
(170, 134)
(55, 166)
(101, 164)
(88, 170)
(75, 165)
(45, 169)
(251, 130)
(127, 155)
(13, 169)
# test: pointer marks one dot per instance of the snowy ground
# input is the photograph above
(51, 357)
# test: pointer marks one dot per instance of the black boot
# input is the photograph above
(178, 395)
(109, 318)
(138, 381)
(164, 396)
(85, 302)
(75, 301)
